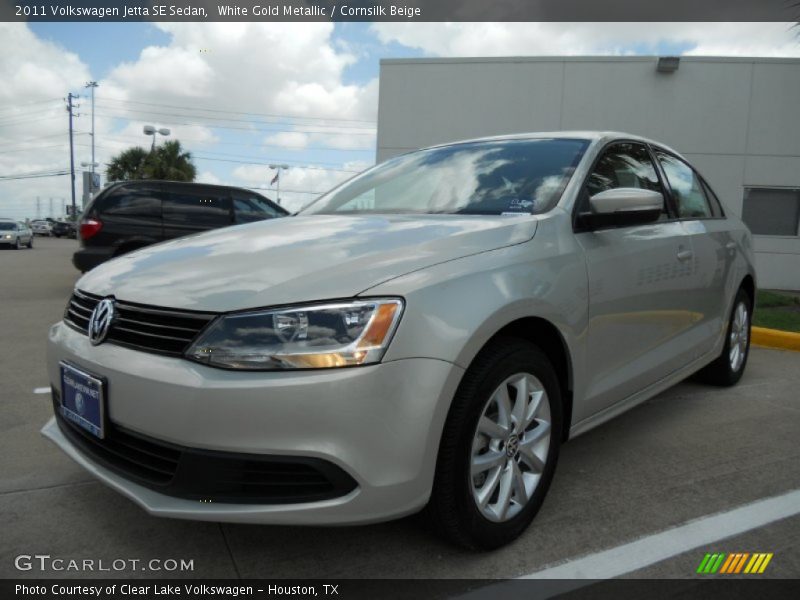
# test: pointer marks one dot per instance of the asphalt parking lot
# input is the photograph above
(692, 451)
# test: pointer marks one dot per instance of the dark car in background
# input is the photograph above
(129, 215)
(63, 229)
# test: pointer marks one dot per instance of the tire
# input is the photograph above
(728, 368)
(454, 508)
(30, 243)
(17, 245)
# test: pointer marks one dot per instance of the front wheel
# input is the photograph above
(728, 368)
(499, 447)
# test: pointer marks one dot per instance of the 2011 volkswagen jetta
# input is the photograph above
(425, 335)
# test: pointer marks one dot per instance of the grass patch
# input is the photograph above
(777, 311)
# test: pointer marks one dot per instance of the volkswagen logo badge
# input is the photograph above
(100, 321)
(80, 404)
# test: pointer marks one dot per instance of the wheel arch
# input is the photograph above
(547, 337)
(748, 284)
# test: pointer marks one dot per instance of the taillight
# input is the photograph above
(90, 227)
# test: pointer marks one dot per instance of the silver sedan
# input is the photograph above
(15, 235)
(424, 336)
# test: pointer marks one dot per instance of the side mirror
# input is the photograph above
(622, 207)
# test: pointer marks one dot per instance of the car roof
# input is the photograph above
(600, 137)
(189, 183)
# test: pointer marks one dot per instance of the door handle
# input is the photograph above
(684, 255)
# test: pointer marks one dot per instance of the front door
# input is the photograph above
(638, 280)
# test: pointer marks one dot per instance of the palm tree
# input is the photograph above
(171, 162)
(129, 164)
(168, 161)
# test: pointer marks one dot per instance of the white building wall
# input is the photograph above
(736, 119)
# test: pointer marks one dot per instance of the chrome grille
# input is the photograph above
(146, 328)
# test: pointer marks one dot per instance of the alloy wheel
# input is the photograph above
(739, 336)
(510, 447)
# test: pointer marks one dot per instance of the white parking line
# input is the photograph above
(661, 546)
(42, 390)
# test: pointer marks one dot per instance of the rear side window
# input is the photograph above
(139, 202)
(713, 200)
(687, 191)
(197, 208)
(252, 207)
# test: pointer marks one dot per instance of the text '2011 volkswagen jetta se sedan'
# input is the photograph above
(426, 335)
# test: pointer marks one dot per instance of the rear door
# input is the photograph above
(638, 280)
(714, 251)
(191, 209)
(130, 213)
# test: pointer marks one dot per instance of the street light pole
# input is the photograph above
(150, 130)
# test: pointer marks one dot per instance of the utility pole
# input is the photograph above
(70, 106)
(38, 206)
(92, 85)
(50, 211)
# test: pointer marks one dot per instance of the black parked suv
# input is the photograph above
(63, 229)
(132, 214)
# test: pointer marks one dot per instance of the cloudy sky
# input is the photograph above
(241, 96)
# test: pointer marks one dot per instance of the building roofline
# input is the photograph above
(579, 59)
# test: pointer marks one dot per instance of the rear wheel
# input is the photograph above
(728, 368)
(30, 242)
(499, 447)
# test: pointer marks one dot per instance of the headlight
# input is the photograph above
(8, 236)
(303, 337)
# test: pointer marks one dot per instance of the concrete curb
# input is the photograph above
(773, 338)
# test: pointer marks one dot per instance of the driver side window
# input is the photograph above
(627, 165)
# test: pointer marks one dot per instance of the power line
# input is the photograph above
(235, 112)
(31, 148)
(264, 161)
(34, 175)
(252, 145)
(42, 137)
(231, 127)
(26, 114)
(15, 106)
(189, 114)
(25, 121)
(260, 161)
(257, 189)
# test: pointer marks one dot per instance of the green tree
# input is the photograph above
(171, 162)
(168, 161)
(129, 164)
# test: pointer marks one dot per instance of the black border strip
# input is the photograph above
(401, 10)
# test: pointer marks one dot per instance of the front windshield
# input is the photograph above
(475, 178)
(7, 226)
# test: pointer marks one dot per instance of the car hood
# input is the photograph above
(297, 259)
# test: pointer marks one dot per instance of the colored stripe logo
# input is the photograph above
(735, 562)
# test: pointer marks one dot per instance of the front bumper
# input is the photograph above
(380, 424)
